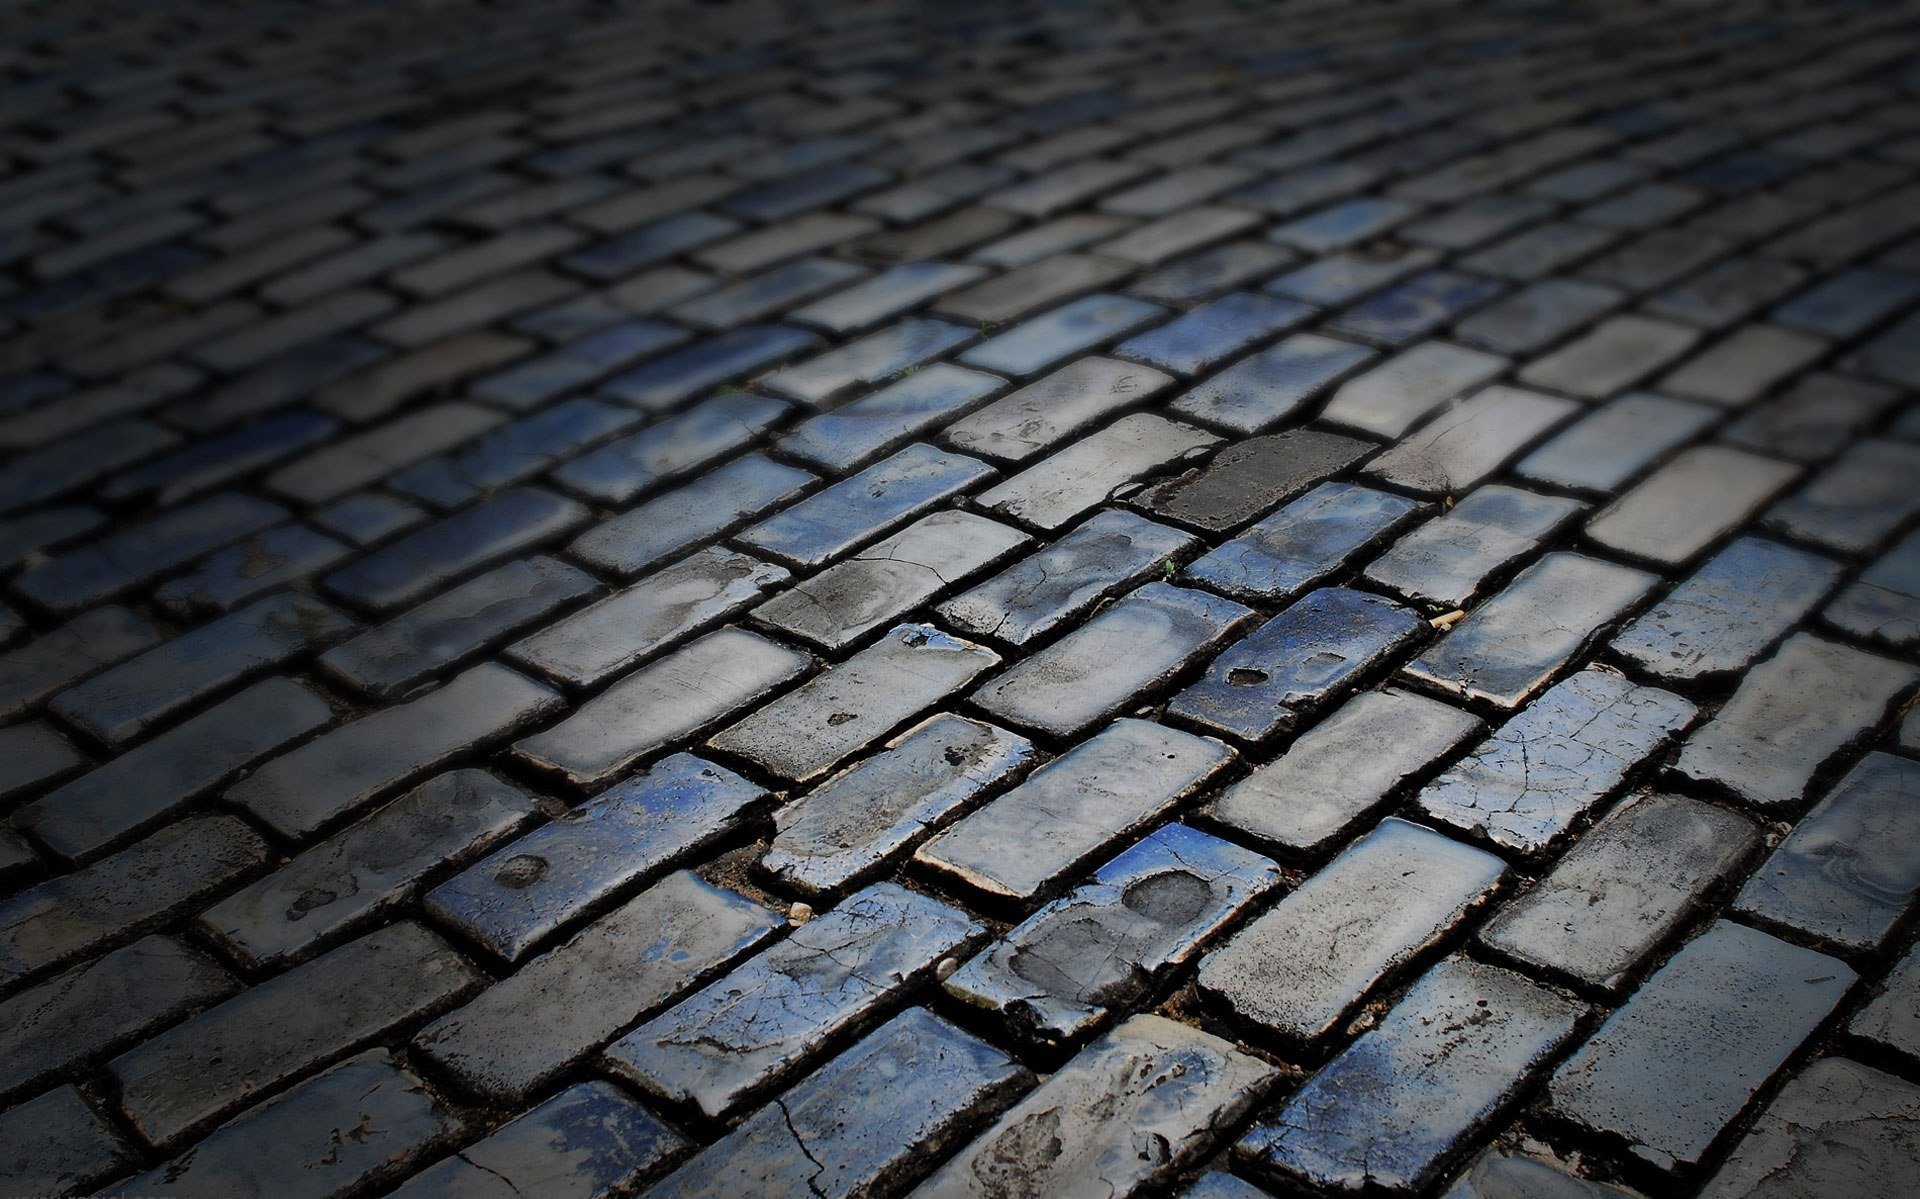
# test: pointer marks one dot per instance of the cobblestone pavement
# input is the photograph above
(1024, 601)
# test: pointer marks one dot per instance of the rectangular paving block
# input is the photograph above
(1837, 1126)
(1053, 408)
(137, 554)
(456, 624)
(1525, 785)
(871, 1121)
(1250, 477)
(1107, 552)
(365, 871)
(1296, 971)
(872, 359)
(885, 295)
(1725, 615)
(1132, 647)
(1101, 948)
(1148, 1082)
(1413, 306)
(1744, 365)
(664, 382)
(365, 1122)
(1074, 809)
(1406, 1097)
(216, 1063)
(1536, 316)
(664, 702)
(1615, 441)
(300, 792)
(1347, 765)
(57, 1144)
(1039, 342)
(1883, 604)
(522, 1032)
(1303, 544)
(1041, 276)
(1844, 875)
(248, 568)
(855, 824)
(32, 757)
(616, 474)
(513, 452)
(1814, 419)
(1198, 340)
(125, 894)
(750, 1030)
(1319, 647)
(1669, 1071)
(425, 561)
(1511, 645)
(886, 420)
(1690, 503)
(826, 720)
(1058, 489)
(1790, 714)
(701, 508)
(1893, 1018)
(833, 520)
(530, 888)
(1623, 889)
(1387, 400)
(1446, 561)
(153, 781)
(1612, 357)
(1264, 389)
(1856, 503)
(843, 603)
(130, 699)
(1470, 440)
(70, 652)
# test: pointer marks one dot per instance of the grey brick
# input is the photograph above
(1447, 561)
(1837, 1127)
(673, 698)
(1884, 603)
(885, 296)
(1206, 273)
(1387, 400)
(766, 294)
(137, 554)
(1791, 713)
(1893, 1018)
(672, 378)
(1470, 440)
(1670, 1070)
(1746, 364)
(1050, 410)
(1065, 187)
(615, 474)
(1303, 544)
(1537, 316)
(300, 792)
(1418, 305)
(33, 756)
(1343, 277)
(1266, 388)
(1615, 442)
(1501, 1175)
(1728, 612)
(1853, 505)
(886, 420)
(1343, 224)
(1056, 489)
(1727, 292)
(1058, 236)
(1251, 476)
(1149, 1081)
(56, 1144)
(1392, 895)
(832, 521)
(513, 452)
(1408, 1095)
(762, 248)
(365, 871)
(1074, 809)
(408, 570)
(718, 500)
(1042, 341)
(750, 1030)
(1613, 357)
(1815, 419)
(523, 1031)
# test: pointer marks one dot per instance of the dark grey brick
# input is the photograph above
(750, 1030)
(1415, 306)
(1341, 278)
(136, 555)
(1670, 1070)
(1537, 316)
(1251, 476)
(1038, 277)
(671, 378)
(716, 501)
(1853, 505)
(250, 568)
(1884, 603)
(1303, 544)
(1055, 490)
(1728, 612)
(527, 890)
(423, 562)
(1206, 273)
(886, 420)
(33, 756)
(1727, 292)
(1503, 1175)
(1815, 419)
(615, 474)
(56, 1144)
(1050, 410)
(1893, 1018)
(832, 521)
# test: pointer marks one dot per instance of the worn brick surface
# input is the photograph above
(1031, 542)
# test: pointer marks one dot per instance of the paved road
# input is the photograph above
(975, 600)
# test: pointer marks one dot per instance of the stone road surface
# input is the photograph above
(959, 600)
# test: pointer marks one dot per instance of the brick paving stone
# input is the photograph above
(1470, 440)
(515, 897)
(1448, 560)
(366, 870)
(748, 1031)
(32, 757)
(56, 1144)
(369, 518)
(1298, 969)
(1727, 292)
(123, 895)
(1199, 340)
(1322, 645)
(1893, 1018)
(1065, 970)
(615, 474)
(1854, 504)
(407, 571)
(1044, 340)
(155, 780)
(708, 506)
(365, 1122)
(833, 520)
(1344, 277)
(588, 1141)
(1526, 784)
(102, 1004)
(867, 1123)
(1837, 1127)
(1617, 354)
(1514, 643)
(1841, 876)
(1132, 648)
(1250, 477)
(1727, 613)
(626, 628)
(873, 359)
(886, 420)
(249, 568)
(1849, 303)
(1615, 442)
(512, 452)
(1814, 420)
(1148, 1082)
(1690, 503)
(1264, 389)
(1343, 224)
(1790, 714)
(1499, 1175)
(1623, 889)
(767, 294)
(1050, 410)
(1303, 544)
(676, 696)
(842, 604)
(1206, 273)
(666, 381)
(1389, 399)
(1749, 362)
(1415, 306)
(1346, 766)
(885, 295)
(136, 555)
(1392, 1109)
(1056, 490)
(302, 791)
(221, 1059)
(936, 238)
(1883, 604)
(1537, 316)
(1730, 1008)
(1032, 285)
(522, 1032)
(1889, 356)
(1217, 1185)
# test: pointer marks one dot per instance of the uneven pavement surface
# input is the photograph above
(1025, 601)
